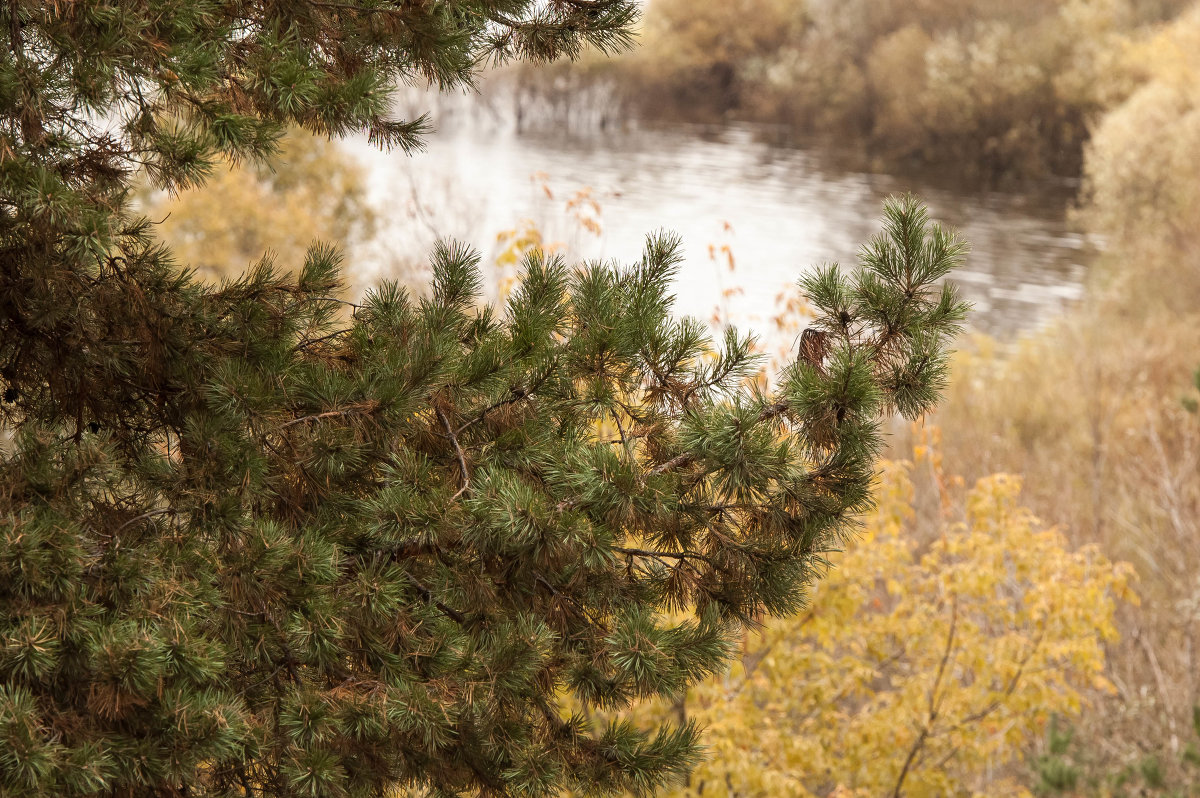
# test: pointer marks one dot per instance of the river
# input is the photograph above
(752, 215)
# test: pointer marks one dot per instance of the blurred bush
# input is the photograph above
(1143, 174)
(709, 54)
(929, 659)
(1065, 767)
(311, 191)
(1004, 89)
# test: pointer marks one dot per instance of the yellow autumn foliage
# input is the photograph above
(311, 191)
(582, 209)
(918, 669)
(1004, 88)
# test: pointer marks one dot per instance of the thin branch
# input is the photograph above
(579, 608)
(356, 8)
(317, 417)
(750, 662)
(942, 762)
(462, 460)
(335, 299)
(446, 610)
(933, 702)
(621, 430)
(908, 762)
(927, 728)
(517, 395)
(150, 514)
(310, 341)
(772, 411)
(1159, 680)
(658, 555)
(675, 462)
(1008, 691)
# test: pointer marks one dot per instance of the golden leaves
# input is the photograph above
(917, 671)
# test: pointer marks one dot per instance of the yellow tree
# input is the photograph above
(918, 670)
(311, 191)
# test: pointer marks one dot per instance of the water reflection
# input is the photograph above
(777, 210)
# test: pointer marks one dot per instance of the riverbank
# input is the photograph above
(999, 92)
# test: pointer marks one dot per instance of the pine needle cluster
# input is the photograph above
(254, 544)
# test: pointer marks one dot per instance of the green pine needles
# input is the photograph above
(256, 542)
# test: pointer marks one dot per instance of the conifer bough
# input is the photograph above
(250, 546)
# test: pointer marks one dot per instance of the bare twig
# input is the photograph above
(462, 460)
(927, 728)
(675, 462)
(319, 416)
(658, 555)
(446, 610)
(625, 442)
(933, 702)
(354, 305)
(307, 342)
(150, 514)
(517, 395)
(1160, 680)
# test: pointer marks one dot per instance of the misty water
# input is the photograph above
(773, 211)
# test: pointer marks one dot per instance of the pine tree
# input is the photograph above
(252, 544)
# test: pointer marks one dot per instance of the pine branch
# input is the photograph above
(288, 563)
(684, 460)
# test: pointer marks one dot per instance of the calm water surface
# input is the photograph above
(776, 211)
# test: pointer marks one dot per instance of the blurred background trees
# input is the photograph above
(310, 190)
(1007, 90)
